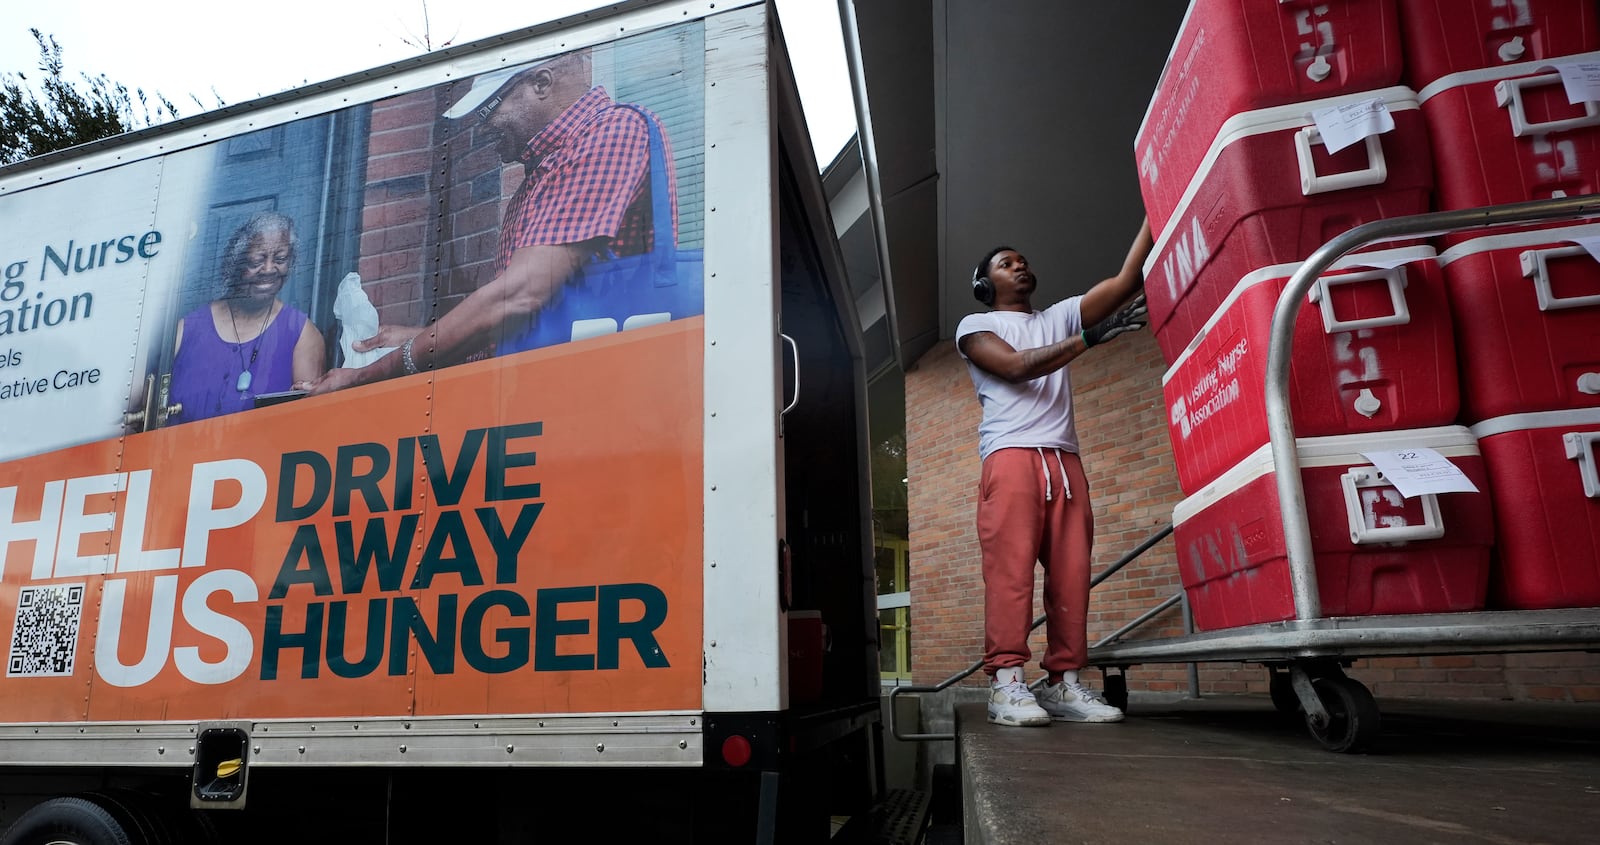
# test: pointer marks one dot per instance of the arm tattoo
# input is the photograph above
(1019, 365)
(1043, 360)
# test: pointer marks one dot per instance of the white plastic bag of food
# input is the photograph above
(358, 320)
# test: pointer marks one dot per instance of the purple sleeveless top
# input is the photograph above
(205, 374)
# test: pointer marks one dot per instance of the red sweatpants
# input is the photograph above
(1029, 513)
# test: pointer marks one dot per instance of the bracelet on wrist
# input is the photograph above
(406, 360)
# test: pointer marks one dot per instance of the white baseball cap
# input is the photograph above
(484, 86)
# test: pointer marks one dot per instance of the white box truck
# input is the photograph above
(583, 548)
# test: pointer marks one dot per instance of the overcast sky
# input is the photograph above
(194, 47)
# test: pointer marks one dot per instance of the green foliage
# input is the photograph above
(63, 113)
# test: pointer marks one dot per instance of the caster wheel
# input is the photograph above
(1353, 719)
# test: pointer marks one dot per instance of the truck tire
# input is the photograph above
(152, 819)
(67, 821)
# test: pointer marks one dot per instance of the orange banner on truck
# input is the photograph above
(516, 535)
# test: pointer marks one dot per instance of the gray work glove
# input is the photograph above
(1132, 316)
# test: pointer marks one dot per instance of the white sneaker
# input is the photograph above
(1071, 701)
(1012, 703)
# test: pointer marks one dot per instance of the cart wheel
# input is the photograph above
(1281, 687)
(1353, 720)
(1116, 690)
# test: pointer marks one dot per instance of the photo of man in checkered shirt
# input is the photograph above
(585, 193)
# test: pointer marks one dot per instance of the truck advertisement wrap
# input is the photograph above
(393, 410)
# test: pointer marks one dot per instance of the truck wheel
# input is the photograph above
(138, 813)
(67, 821)
(155, 819)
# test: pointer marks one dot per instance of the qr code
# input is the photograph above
(44, 640)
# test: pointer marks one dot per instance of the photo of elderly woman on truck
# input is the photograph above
(247, 342)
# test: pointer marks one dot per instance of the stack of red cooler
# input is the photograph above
(1526, 305)
(1240, 189)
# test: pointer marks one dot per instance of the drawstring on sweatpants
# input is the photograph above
(1045, 468)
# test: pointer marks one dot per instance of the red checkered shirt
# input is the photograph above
(588, 177)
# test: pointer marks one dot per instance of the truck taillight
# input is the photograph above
(736, 751)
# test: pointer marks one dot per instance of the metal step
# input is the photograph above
(898, 819)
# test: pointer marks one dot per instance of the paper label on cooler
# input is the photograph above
(1344, 125)
(1581, 78)
(1419, 471)
(1592, 245)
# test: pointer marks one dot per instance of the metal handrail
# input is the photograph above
(894, 725)
(1143, 618)
(1164, 533)
(1280, 420)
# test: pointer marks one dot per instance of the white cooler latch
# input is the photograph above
(1508, 95)
(1364, 529)
(1395, 278)
(1536, 266)
(1581, 448)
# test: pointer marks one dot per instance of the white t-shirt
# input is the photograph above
(1037, 412)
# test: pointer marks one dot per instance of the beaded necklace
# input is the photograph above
(243, 383)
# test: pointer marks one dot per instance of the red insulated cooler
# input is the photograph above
(1269, 193)
(1233, 56)
(1527, 315)
(1442, 37)
(1547, 508)
(1509, 134)
(1375, 552)
(1373, 351)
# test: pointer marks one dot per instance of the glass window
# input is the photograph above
(890, 527)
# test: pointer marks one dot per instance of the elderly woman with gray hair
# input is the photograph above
(248, 342)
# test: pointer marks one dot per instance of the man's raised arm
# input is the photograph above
(1108, 295)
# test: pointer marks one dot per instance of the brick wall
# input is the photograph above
(1122, 428)
(433, 203)
(395, 241)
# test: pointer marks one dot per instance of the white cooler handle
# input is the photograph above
(1581, 448)
(1359, 478)
(1536, 266)
(1394, 277)
(1508, 95)
(1312, 183)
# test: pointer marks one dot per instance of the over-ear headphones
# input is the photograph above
(982, 289)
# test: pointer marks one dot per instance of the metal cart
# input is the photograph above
(1306, 655)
